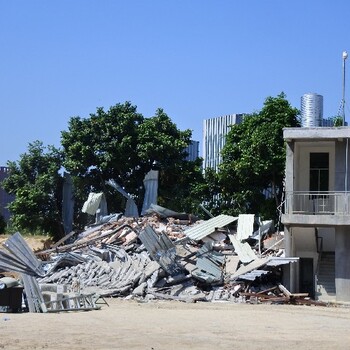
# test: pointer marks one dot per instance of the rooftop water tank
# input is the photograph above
(311, 110)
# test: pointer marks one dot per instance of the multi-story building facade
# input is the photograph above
(5, 198)
(214, 137)
(317, 211)
(192, 151)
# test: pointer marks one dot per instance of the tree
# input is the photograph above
(121, 144)
(337, 121)
(254, 159)
(103, 147)
(2, 225)
(37, 185)
(162, 146)
(206, 191)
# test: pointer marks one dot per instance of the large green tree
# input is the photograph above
(102, 147)
(254, 159)
(162, 146)
(37, 185)
(121, 144)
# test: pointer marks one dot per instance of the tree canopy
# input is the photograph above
(252, 172)
(37, 185)
(122, 145)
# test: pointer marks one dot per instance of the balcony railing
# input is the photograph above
(317, 203)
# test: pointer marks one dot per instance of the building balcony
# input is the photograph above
(317, 208)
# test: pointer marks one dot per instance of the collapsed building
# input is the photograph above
(161, 255)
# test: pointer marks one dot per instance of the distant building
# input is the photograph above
(329, 122)
(5, 198)
(311, 110)
(192, 150)
(214, 138)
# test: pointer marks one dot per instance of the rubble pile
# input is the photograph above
(163, 255)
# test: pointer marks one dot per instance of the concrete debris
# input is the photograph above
(158, 256)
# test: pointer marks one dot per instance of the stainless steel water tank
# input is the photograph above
(311, 110)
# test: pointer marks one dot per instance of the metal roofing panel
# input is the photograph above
(263, 229)
(161, 249)
(255, 265)
(273, 261)
(207, 265)
(245, 226)
(243, 250)
(151, 190)
(207, 227)
(277, 261)
(251, 276)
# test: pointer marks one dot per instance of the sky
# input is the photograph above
(196, 59)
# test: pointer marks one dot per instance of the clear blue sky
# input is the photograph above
(196, 59)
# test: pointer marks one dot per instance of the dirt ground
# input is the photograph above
(176, 325)
(35, 242)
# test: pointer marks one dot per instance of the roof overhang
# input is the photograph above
(317, 133)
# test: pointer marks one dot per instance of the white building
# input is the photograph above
(214, 137)
(317, 211)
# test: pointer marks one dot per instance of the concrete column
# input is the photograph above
(339, 184)
(342, 263)
(289, 172)
(289, 270)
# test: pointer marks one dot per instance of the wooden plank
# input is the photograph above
(267, 290)
(284, 290)
(299, 295)
(276, 299)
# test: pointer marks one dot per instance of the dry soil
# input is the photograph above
(175, 325)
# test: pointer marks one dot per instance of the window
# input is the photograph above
(319, 172)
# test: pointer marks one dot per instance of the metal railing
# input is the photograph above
(317, 203)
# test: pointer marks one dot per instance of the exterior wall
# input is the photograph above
(214, 137)
(327, 234)
(302, 163)
(342, 161)
(342, 263)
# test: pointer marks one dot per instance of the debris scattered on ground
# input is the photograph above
(163, 255)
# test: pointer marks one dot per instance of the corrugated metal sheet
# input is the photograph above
(209, 265)
(263, 229)
(277, 261)
(243, 250)
(150, 183)
(21, 257)
(131, 207)
(245, 226)
(207, 227)
(257, 264)
(161, 250)
(251, 276)
(166, 213)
